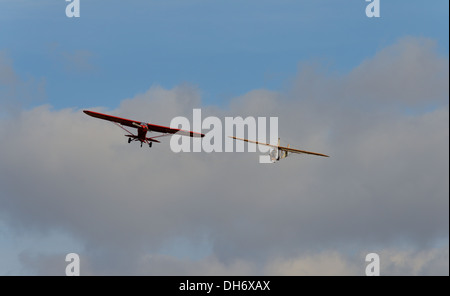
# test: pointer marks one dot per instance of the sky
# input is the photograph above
(370, 92)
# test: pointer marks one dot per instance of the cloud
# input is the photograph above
(16, 91)
(385, 184)
(393, 262)
(433, 261)
(7, 75)
(74, 61)
(408, 72)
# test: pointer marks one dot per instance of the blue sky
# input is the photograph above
(116, 50)
(371, 92)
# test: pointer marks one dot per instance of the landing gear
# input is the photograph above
(142, 142)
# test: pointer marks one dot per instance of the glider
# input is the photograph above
(279, 152)
(142, 128)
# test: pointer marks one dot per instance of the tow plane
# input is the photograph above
(278, 152)
(142, 128)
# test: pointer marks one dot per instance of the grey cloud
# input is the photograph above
(385, 183)
(16, 91)
(7, 73)
(409, 72)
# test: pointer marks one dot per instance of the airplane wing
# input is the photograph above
(288, 149)
(256, 142)
(122, 121)
(291, 150)
(151, 127)
(168, 130)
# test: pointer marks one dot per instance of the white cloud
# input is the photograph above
(432, 261)
(393, 262)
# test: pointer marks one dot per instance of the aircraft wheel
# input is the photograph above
(150, 144)
(129, 140)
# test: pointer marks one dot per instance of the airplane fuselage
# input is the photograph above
(142, 133)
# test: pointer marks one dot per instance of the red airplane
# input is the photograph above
(142, 128)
